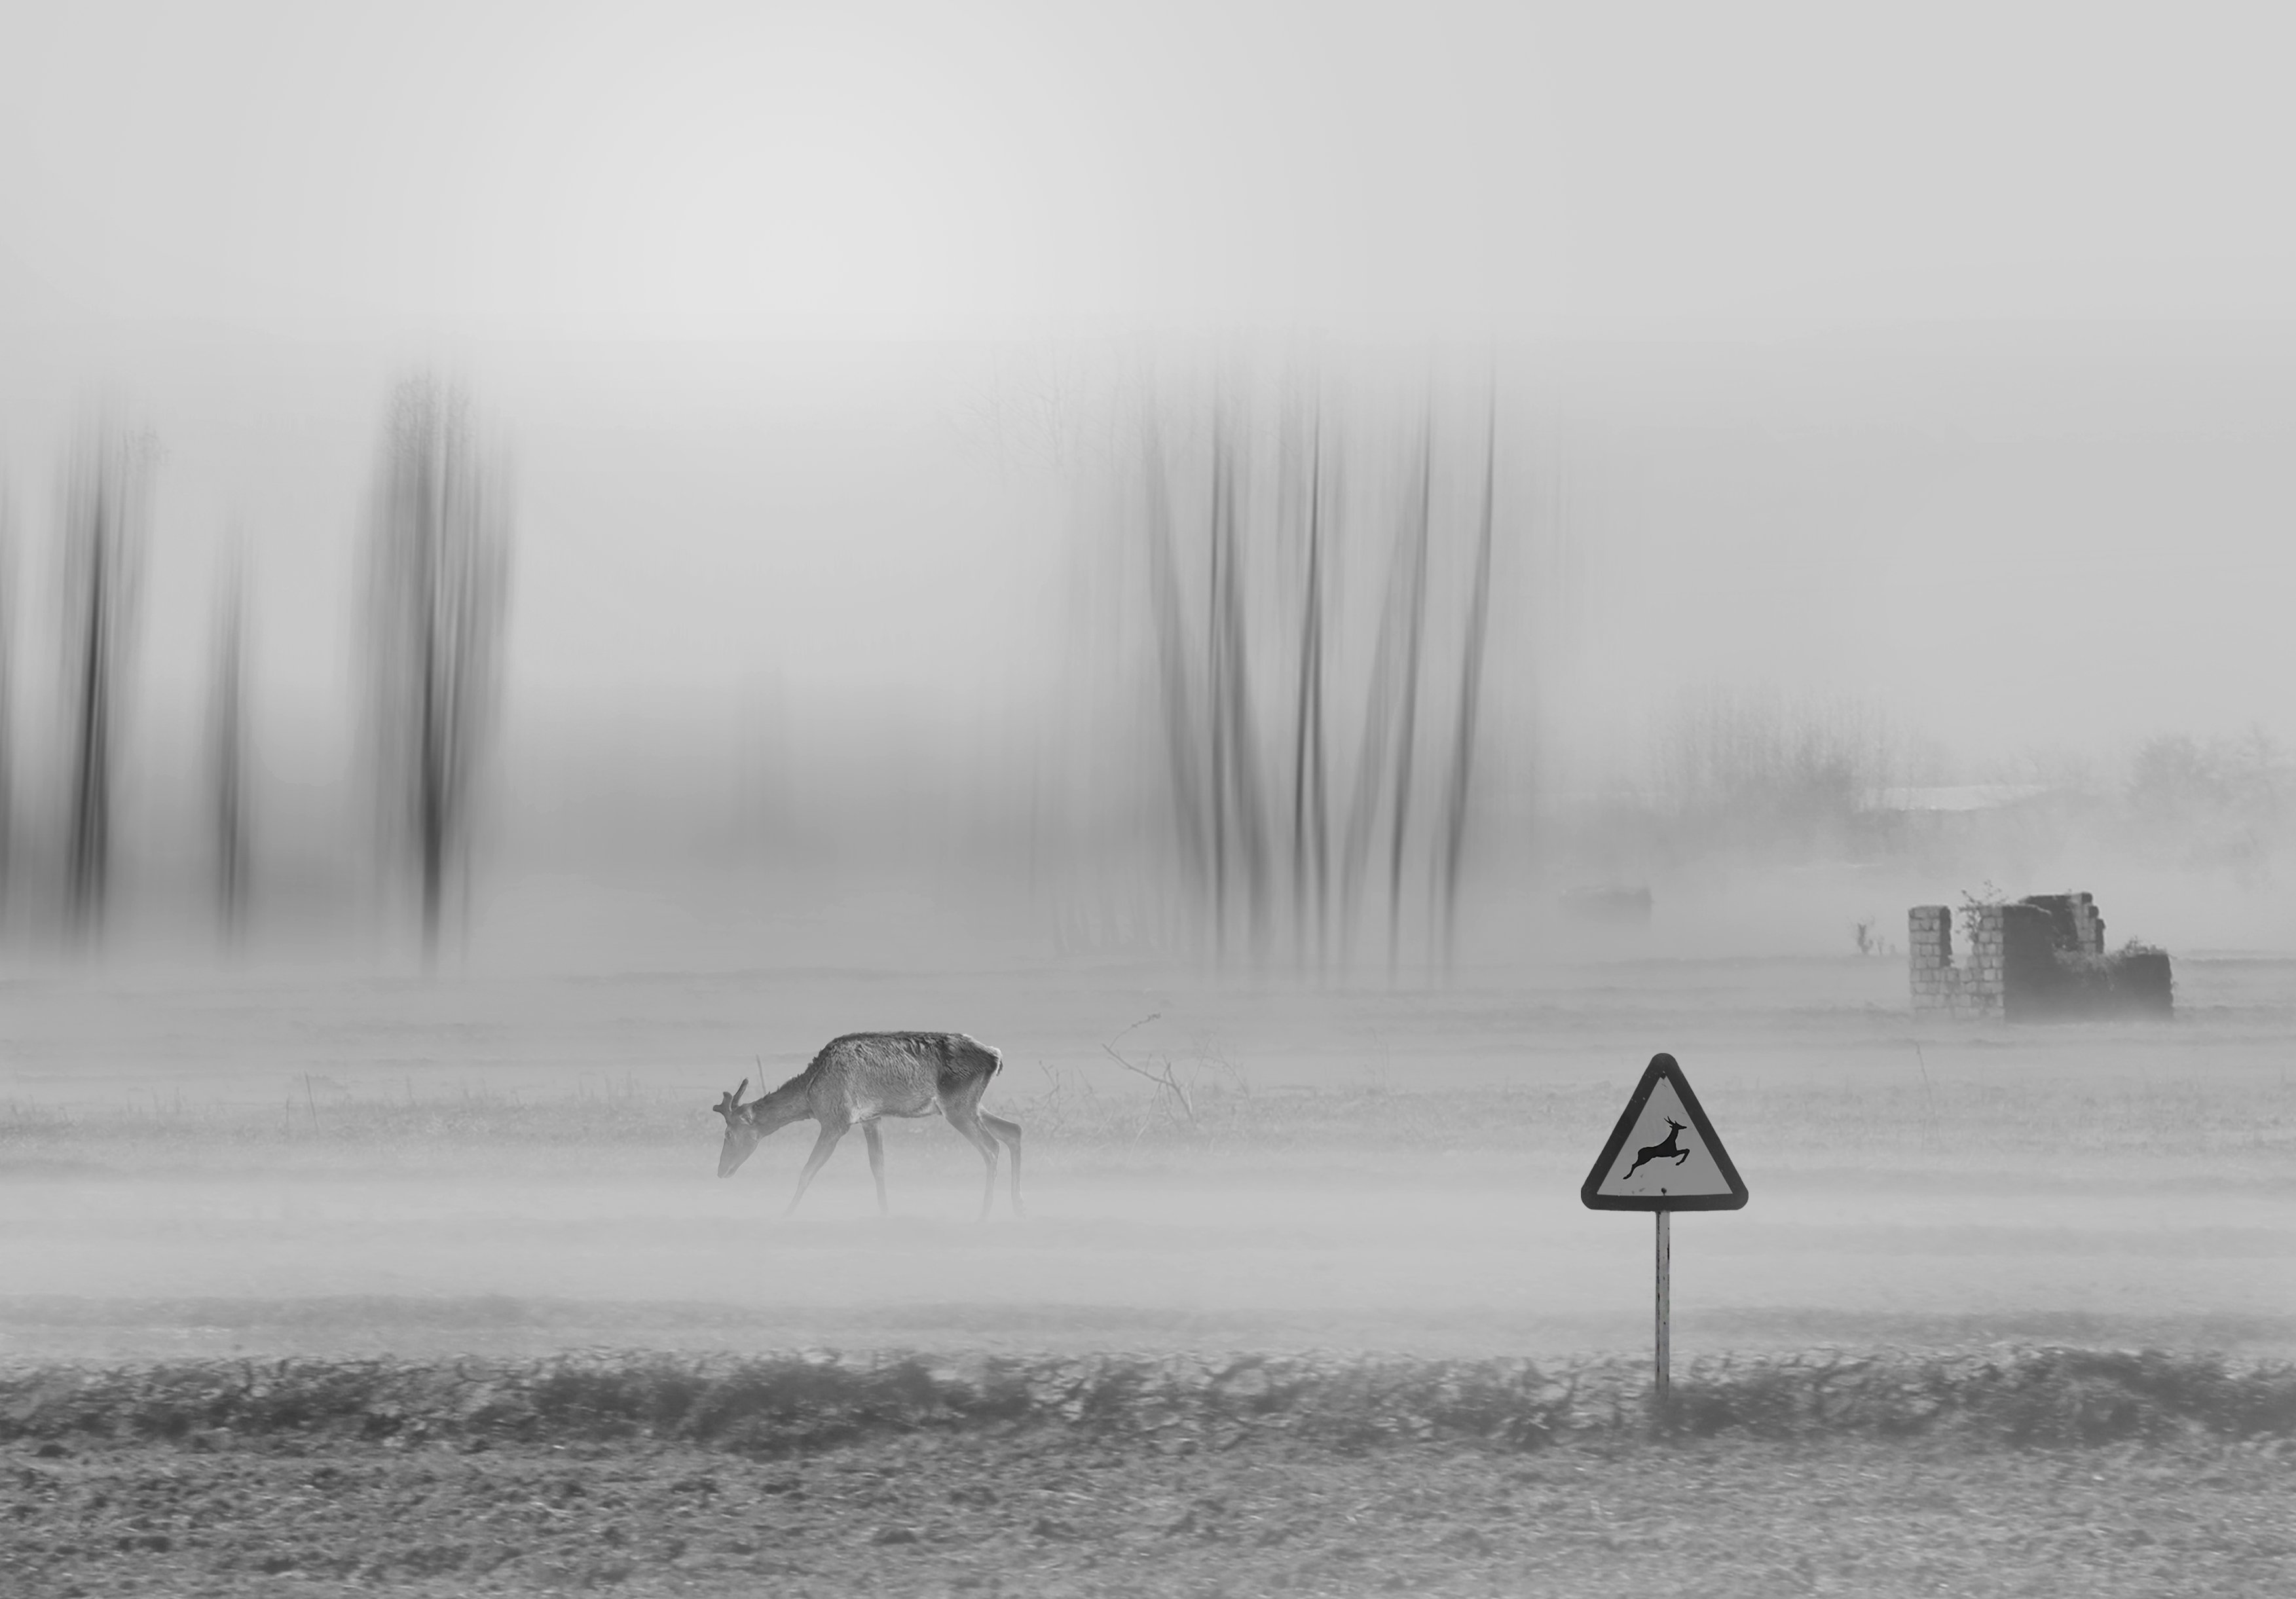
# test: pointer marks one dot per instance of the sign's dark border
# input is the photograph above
(1662, 1066)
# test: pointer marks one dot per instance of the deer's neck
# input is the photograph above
(783, 1105)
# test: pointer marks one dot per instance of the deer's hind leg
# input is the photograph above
(966, 1119)
(831, 1132)
(876, 1162)
(1009, 1132)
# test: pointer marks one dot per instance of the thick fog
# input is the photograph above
(1830, 365)
(558, 552)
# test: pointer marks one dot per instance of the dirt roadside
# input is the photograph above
(1052, 1510)
(1979, 1472)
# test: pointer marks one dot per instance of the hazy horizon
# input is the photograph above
(1928, 375)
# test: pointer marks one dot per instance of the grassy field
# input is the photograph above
(246, 1167)
(306, 1164)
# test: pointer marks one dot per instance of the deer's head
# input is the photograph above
(742, 1130)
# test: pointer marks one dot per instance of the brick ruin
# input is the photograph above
(2042, 959)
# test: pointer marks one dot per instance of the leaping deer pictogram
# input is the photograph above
(1659, 1152)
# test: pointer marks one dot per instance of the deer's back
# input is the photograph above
(898, 1074)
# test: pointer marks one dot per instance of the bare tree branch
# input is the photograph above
(1163, 1078)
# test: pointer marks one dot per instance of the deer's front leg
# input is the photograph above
(831, 1132)
(966, 1121)
(876, 1162)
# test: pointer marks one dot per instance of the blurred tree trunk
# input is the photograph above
(1272, 550)
(1310, 832)
(1177, 696)
(1216, 695)
(1413, 648)
(1471, 688)
(1239, 754)
(7, 697)
(439, 551)
(227, 746)
(105, 482)
(1382, 769)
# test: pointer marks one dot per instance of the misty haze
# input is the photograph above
(1285, 595)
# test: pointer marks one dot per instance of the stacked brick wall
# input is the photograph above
(1940, 984)
(2075, 924)
(2042, 959)
(2033, 985)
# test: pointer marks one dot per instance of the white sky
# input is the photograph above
(1831, 284)
(561, 170)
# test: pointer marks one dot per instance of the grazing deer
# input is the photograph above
(862, 1076)
(1672, 1147)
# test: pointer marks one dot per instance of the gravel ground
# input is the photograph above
(1972, 1472)
(1050, 1510)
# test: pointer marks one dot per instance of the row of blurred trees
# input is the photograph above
(437, 540)
(1305, 583)
(1763, 779)
(2210, 803)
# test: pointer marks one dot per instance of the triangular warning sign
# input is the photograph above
(1663, 1154)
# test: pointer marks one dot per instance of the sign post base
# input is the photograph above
(1664, 1390)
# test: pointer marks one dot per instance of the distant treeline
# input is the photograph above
(1764, 779)
(1297, 581)
(437, 546)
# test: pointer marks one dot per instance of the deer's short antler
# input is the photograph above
(728, 1104)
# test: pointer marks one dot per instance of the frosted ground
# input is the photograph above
(291, 1160)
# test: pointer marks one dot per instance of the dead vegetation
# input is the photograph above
(1197, 1099)
(2023, 1397)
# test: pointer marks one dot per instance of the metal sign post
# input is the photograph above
(1665, 1360)
(1676, 1164)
